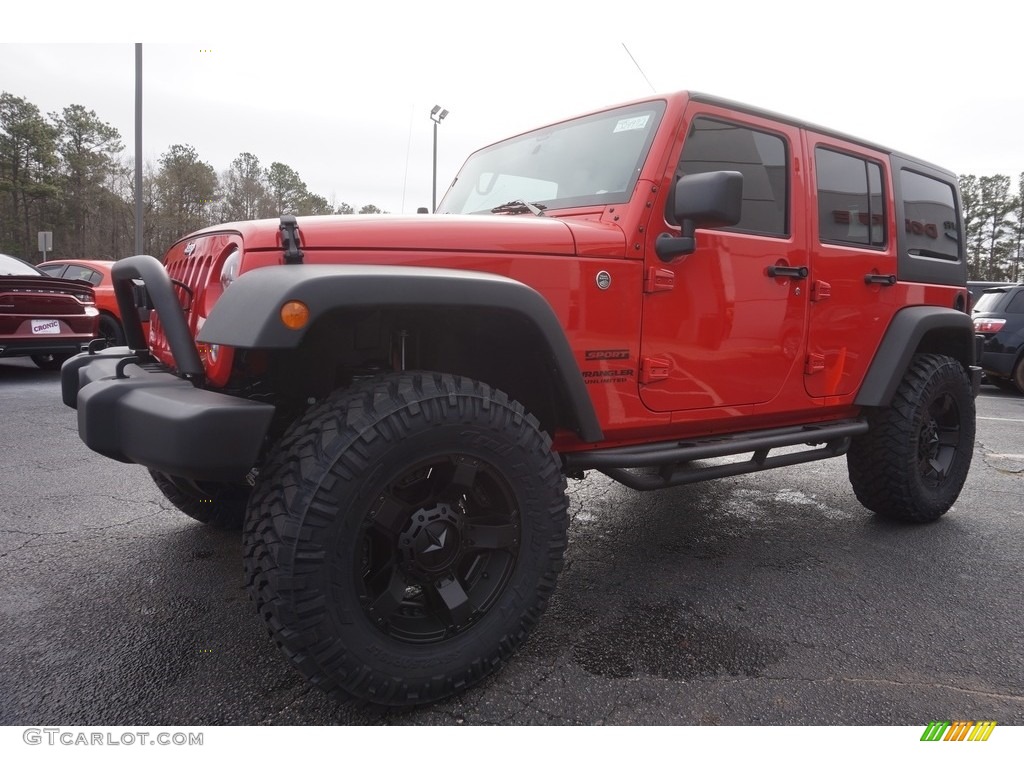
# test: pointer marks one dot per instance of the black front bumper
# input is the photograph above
(133, 409)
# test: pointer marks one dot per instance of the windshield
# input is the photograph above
(593, 160)
(9, 265)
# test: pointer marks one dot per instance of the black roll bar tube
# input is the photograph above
(172, 318)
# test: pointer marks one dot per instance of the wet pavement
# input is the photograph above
(764, 599)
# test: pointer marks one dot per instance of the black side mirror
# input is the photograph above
(701, 200)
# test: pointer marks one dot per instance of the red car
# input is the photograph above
(97, 274)
(48, 319)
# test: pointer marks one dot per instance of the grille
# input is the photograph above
(193, 272)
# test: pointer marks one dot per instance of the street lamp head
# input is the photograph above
(437, 118)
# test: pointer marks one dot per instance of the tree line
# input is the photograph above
(66, 173)
(993, 227)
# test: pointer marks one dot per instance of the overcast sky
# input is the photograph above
(343, 95)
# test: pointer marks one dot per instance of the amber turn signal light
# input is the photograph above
(295, 315)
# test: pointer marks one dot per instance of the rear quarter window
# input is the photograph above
(929, 240)
(931, 226)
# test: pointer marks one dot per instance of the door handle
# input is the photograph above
(797, 273)
(880, 279)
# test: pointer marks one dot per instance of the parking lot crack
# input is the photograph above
(32, 537)
(1004, 463)
(1005, 697)
(36, 535)
(533, 695)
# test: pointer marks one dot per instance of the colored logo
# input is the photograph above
(958, 730)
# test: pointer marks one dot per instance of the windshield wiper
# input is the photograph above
(520, 206)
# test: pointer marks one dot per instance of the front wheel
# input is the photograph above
(914, 459)
(405, 537)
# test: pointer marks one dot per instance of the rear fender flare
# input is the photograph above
(913, 330)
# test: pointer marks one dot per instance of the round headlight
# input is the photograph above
(229, 271)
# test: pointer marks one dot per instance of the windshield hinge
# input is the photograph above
(659, 280)
(290, 240)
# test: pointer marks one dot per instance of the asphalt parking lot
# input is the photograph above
(765, 599)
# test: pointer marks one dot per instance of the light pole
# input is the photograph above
(138, 149)
(436, 115)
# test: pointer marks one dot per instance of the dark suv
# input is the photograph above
(999, 317)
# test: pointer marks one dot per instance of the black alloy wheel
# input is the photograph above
(437, 548)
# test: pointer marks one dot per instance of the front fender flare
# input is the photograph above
(247, 314)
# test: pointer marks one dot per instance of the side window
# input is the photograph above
(931, 224)
(76, 272)
(53, 270)
(713, 145)
(851, 207)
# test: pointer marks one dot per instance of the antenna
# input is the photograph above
(408, 151)
(653, 89)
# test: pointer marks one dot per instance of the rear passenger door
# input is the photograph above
(853, 262)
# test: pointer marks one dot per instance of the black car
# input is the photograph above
(999, 317)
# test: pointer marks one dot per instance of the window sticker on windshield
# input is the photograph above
(631, 123)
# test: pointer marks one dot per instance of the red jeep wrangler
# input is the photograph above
(392, 404)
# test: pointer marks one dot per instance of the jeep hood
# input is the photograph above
(498, 234)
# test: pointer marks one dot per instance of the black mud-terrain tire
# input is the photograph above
(221, 505)
(111, 330)
(49, 362)
(405, 536)
(914, 459)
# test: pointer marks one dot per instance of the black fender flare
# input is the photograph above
(247, 314)
(912, 330)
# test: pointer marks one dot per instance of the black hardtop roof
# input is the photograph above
(707, 98)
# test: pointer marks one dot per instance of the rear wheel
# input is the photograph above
(221, 505)
(405, 537)
(1018, 375)
(913, 461)
(111, 330)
